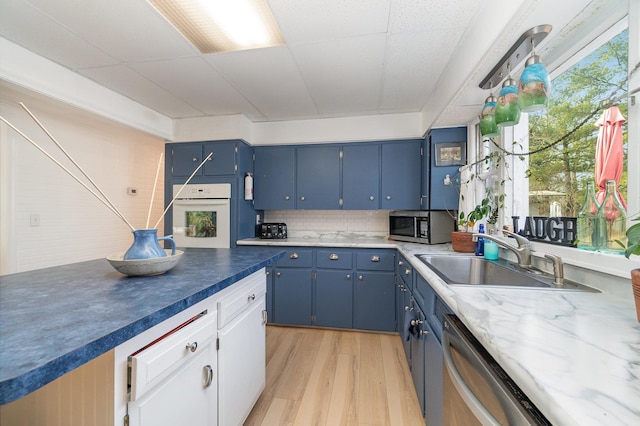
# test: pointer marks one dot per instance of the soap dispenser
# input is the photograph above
(480, 241)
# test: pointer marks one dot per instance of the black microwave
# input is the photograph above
(421, 226)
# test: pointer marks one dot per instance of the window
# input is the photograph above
(558, 174)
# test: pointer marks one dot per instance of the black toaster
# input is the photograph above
(272, 231)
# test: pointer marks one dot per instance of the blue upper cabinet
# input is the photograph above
(442, 142)
(318, 177)
(401, 172)
(274, 178)
(361, 177)
(186, 157)
(223, 159)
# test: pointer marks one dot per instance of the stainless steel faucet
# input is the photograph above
(522, 252)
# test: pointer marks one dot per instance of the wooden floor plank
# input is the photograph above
(335, 378)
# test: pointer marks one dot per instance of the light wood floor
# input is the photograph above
(331, 377)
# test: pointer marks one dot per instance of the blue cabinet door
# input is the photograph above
(334, 298)
(441, 196)
(274, 178)
(223, 158)
(374, 301)
(292, 296)
(361, 177)
(418, 358)
(318, 178)
(401, 173)
(185, 158)
(433, 378)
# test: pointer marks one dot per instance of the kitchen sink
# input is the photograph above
(478, 271)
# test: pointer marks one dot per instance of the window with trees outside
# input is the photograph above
(562, 138)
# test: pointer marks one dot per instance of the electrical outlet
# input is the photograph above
(132, 191)
(34, 220)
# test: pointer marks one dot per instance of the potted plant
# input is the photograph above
(633, 247)
(462, 241)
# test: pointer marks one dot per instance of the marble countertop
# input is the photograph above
(576, 355)
(53, 320)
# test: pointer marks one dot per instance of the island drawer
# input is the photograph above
(252, 290)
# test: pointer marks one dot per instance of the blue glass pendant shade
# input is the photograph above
(488, 126)
(507, 108)
(535, 86)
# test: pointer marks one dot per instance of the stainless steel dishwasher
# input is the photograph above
(476, 390)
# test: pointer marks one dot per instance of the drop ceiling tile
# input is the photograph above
(194, 80)
(125, 29)
(416, 15)
(413, 65)
(269, 79)
(127, 82)
(343, 75)
(48, 38)
(312, 20)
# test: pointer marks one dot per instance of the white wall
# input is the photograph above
(74, 226)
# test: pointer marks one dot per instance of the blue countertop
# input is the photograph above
(54, 320)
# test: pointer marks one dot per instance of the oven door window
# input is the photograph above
(202, 223)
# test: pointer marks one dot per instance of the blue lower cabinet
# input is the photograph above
(418, 350)
(292, 296)
(433, 378)
(374, 301)
(334, 299)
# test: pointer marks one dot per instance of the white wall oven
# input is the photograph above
(201, 215)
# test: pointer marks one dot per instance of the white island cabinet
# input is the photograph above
(172, 373)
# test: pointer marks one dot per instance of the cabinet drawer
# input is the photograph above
(334, 259)
(297, 258)
(232, 305)
(156, 362)
(374, 260)
(405, 272)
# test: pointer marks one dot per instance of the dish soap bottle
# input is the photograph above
(480, 242)
(588, 231)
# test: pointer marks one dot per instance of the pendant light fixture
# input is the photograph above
(535, 85)
(507, 108)
(488, 126)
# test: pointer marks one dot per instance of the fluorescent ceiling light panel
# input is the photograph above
(222, 25)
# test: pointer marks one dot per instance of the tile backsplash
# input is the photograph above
(331, 220)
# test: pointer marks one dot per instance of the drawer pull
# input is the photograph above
(208, 376)
(192, 346)
(416, 322)
(333, 256)
(252, 296)
(293, 256)
(400, 263)
(407, 271)
(375, 258)
(348, 276)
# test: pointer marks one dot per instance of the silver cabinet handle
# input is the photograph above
(268, 273)
(360, 277)
(348, 276)
(407, 271)
(372, 198)
(194, 159)
(388, 197)
(278, 274)
(293, 256)
(192, 346)
(302, 198)
(333, 256)
(208, 376)
(416, 322)
(287, 198)
(400, 263)
(252, 296)
(264, 316)
(375, 258)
